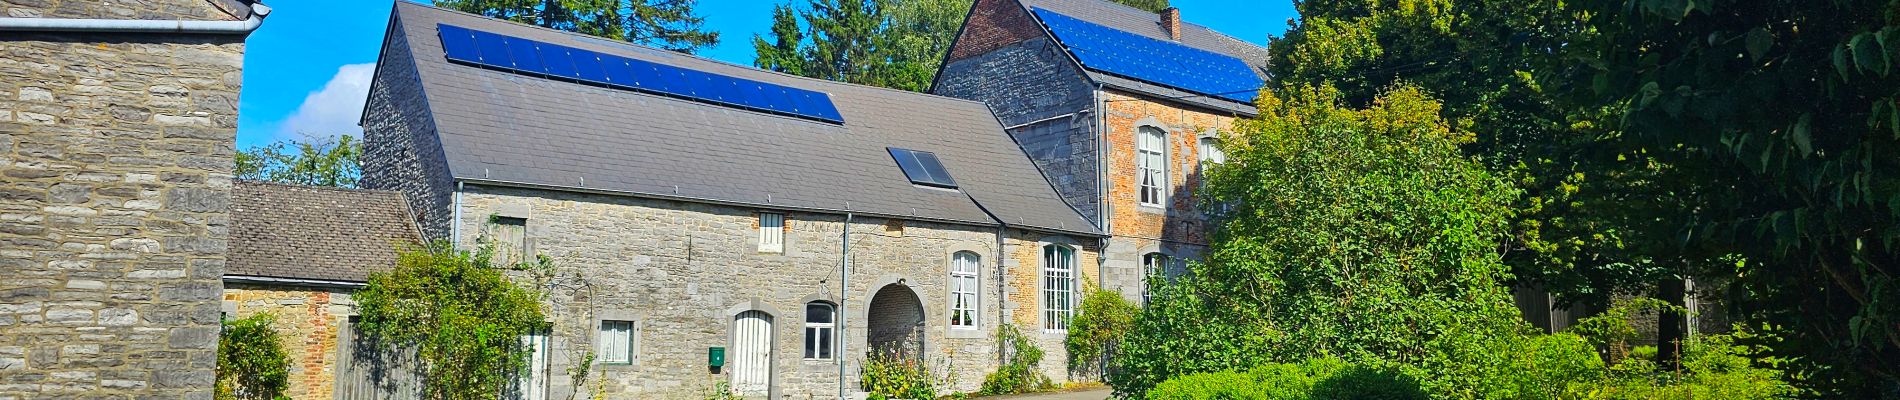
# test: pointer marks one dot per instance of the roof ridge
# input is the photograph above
(689, 55)
(302, 186)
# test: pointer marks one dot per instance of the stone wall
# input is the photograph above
(1179, 229)
(402, 152)
(1023, 268)
(307, 321)
(682, 271)
(114, 202)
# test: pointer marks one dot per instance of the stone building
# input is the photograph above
(1120, 107)
(297, 252)
(694, 208)
(115, 188)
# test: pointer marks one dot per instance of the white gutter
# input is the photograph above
(258, 12)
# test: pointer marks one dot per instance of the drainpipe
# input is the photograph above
(258, 12)
(455, 226)
(844, 292)
(1102, 186)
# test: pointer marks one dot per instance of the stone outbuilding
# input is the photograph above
(117, 122)
(1122, 108)
(297, 252)
(710, 222)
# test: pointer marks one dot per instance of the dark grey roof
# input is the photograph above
(305, 232)
(510, 128)
(1141, 22)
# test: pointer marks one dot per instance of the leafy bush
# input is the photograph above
(1097, 329)
(1021, 371)
(893, 376)
(252, 363)
(463, 318)
(1319, 378)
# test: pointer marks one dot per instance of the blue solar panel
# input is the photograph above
(538, 58)
(459, 44)
(1153, 60)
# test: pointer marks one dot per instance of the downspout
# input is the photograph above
(844, 292)
(1101, 185)
(258, 12)
(455, 226)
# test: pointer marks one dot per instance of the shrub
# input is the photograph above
(889, 375)
(1319, 378)
(463, 318)
(252, 363)
(1097, 329)
(1021, 371)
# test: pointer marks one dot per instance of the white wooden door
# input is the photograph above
(751, 354)
(534, 384)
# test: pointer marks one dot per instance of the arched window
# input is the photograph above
(963, 289)
(1153, 265)
(1058, 286)
(1211, 154)
(1151, 164)
(820, 330)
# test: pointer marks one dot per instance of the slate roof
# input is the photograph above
(503, 127)
(317, 233)
(1141, 22)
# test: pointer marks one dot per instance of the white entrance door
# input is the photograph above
(751, 358)
(534, 384)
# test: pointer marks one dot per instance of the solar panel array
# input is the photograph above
(539, 58)
(923, 168)
(1153, 60)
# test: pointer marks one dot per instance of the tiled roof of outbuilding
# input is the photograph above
(504, 127)
(315, 233)
(1141, 22)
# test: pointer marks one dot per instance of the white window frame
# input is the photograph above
(1152, 265)
(1058, 287)
(1211, 154)
(828, 347)
(616, 345)
(1151, 166)
(771, 232)
(965, 267)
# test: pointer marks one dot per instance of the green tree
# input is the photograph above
(1787, 109)
(460, 315)
(333, 162)
(668, 24)
(252, 363)
(1363, 233)
(890, 43)
(1149, 5)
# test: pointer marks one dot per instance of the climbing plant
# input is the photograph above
(252, 363)
(461, 315)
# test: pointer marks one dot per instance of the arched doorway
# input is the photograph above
(895, 323)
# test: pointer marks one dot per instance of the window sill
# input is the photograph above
(966, 333)
(618, 365)
(1151, 208)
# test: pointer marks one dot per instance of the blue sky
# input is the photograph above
(306, 71)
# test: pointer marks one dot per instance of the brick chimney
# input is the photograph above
(1171, 21)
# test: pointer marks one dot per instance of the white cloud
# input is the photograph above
(333, 110)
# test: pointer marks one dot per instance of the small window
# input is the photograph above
(771, 233)
(1058, 286)
(820, 330)
(922, 168)
(616, 342)
(963, 289)
(509, 235)
(1151, 162)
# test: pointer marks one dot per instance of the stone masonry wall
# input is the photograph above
(1178, 230)
(114, 202)
(1023, 266)
(401, 151)
(682, 271)
(307, 320)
